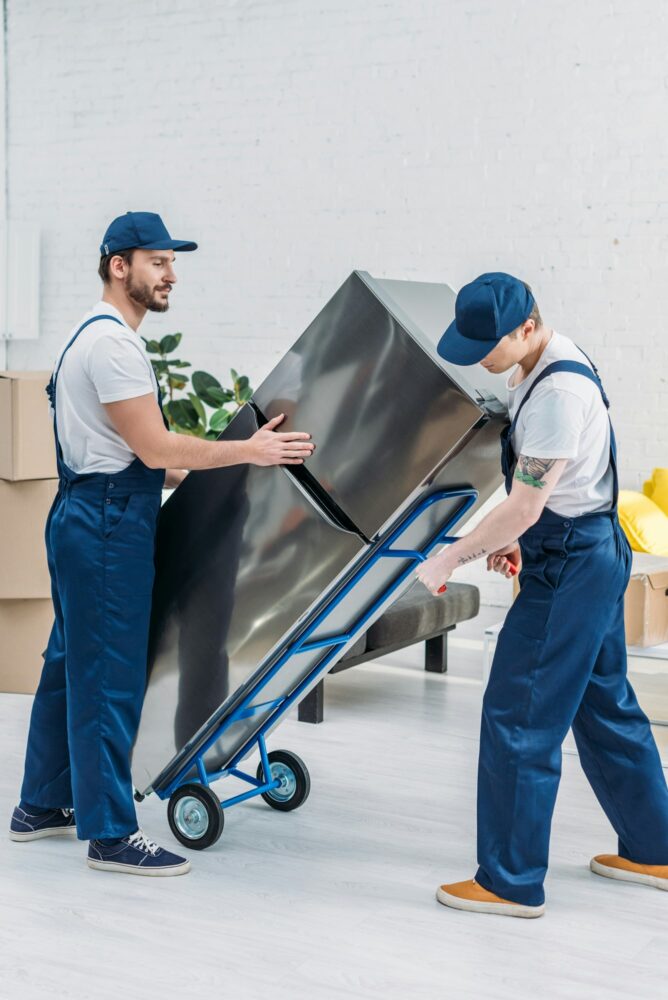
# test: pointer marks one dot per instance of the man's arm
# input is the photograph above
(534, 481)
(139, 422)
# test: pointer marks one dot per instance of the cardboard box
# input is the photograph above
(23, 511)
(24, 633)
(27, 449)
(646, 601)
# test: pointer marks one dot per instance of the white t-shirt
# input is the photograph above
(106, 362)
(566, 418)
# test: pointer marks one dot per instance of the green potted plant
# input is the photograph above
(207, 407)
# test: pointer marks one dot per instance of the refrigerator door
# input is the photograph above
(384, 415)
(241, 554)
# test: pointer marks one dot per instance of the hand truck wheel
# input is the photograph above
(295, 783)
(195, 816)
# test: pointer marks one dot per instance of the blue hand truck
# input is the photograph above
(195, 811)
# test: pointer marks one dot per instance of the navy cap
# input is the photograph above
(486, 310)
(140, 231)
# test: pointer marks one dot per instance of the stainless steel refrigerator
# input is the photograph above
(246, 556)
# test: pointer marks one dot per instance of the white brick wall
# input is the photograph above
(296, 140)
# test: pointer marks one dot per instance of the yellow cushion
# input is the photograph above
(644, 523)
(656, 489)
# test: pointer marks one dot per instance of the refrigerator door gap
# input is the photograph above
(313, 491)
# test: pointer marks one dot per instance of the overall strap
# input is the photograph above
(575, 367)
(613, 440)
(51, 391)
(83, 326)
(598, 378)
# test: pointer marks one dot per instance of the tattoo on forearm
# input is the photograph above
(474, 555)
(532, 471)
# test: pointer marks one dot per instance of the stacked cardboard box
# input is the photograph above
(646, 601)
(28, 485)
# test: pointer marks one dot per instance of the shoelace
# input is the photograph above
(67, 812)
(141, 841)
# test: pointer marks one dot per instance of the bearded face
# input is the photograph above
(152, 296)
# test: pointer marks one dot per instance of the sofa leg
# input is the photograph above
(436, 654)
(312, 707)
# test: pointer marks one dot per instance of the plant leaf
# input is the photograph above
(199, 431)
(169, 343)
(209, 389)
(197, 403)
(245, 394)
(221, 396)
(152, 346)
(177, 381)
(183, 414)
(219, 420)
(180, 364)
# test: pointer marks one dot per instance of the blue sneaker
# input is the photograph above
(55, 823)
(136, 855)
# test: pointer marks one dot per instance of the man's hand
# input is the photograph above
(435, 572)
(270, 447)
(503, 559)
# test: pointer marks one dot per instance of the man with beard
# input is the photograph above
(114, 455)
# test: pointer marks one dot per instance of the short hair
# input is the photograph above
(535, 312)
(105, 260)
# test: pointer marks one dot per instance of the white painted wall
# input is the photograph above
(296, 140)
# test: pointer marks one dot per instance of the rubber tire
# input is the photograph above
(298, 767)
(211, 803)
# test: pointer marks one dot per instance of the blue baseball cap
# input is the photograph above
(140, 231)
(486, 310)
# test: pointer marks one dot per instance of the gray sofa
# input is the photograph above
(416, 616)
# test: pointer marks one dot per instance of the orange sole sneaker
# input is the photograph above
(472, 897)
(612, 866)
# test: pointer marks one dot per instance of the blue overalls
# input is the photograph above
(560, 662)
(100, 537)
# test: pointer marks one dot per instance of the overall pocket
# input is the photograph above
(543, 561)
(115, 509)
(555, 553)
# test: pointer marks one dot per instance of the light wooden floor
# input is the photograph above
(335, 900)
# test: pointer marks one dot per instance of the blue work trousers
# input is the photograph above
(560, 661)
(100, 538)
